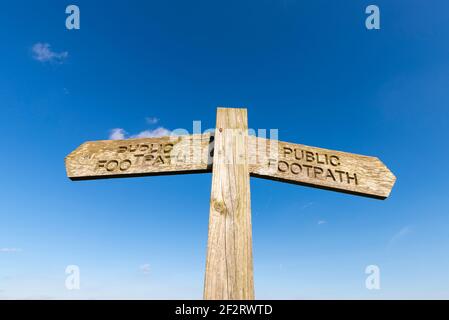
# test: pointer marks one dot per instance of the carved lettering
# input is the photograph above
(283, 166)
(296, 168)
(354, 177)
(335, 161)
(138, 158)
(159, 160)
(287, 151)
(125, 165)
(309, 156)
(111, 165)
(316, 172)
(145, 154)
(330, 174)
(340, 174)
(308, 169)
(168, 148)
(101, 164)
(299, 154)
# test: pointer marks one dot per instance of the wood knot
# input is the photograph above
(219, 206)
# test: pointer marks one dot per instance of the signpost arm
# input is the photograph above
(229, 263)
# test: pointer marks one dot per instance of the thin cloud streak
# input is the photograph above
(10, 250)
(400, 234)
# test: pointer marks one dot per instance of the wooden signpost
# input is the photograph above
(232, 156)
(139, 157)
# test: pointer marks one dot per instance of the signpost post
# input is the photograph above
(235, 157)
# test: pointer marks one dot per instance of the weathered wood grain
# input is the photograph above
(139, 157)
(229, 266)
(270, 159)
(229, 262)
(321, 168)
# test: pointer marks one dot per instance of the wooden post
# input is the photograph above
(229, 265)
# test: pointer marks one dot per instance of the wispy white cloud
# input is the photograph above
(42, 52)
(400, 234)
(307, 205)
(320, 222)
(152, 120)
(145, 268)
(10, 250)
(121, 134)
(117, 134)
(158, 132)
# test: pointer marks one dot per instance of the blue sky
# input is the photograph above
(308, 68)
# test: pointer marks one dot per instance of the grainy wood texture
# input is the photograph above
(270, 159)
(321, 168)
(229, 266)
(139, 157)
(229, 262)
